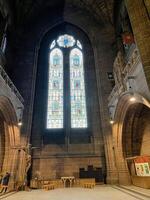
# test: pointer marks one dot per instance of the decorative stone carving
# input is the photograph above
(119, 65)
(28, 163)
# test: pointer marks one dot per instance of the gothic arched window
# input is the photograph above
(74, 99)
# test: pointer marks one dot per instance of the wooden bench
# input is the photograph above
(88, 185)
(50, 186)
(57, 183)
(87, 182)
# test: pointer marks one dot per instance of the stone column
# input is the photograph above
(112, 174)
(111, 170)
(121, 164)
(140, 22)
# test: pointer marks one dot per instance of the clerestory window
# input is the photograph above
(66, 84)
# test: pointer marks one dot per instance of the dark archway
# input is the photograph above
(136, 138)
(126, 130)
(136, 131)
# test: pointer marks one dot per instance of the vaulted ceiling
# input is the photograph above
(100, 9)
(21, 11)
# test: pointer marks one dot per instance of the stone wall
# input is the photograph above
(140, 22)
(56, 167)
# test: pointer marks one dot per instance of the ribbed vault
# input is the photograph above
(23, 11)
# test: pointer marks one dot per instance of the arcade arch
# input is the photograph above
(9, 140)
(131, 135)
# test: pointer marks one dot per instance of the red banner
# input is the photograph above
(127, 38)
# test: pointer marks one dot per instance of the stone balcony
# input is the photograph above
(8, 90)
(129, 78)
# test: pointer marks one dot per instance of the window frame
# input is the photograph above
(66, 51)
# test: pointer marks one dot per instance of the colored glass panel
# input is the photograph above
(79, 44)
(77, 85)
(55, 90)
(66, 41)
(53, 44)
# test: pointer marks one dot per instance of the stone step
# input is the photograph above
(134, 193)
(5, 195)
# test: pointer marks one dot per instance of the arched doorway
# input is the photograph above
(136, 142)
(9, 140)
(130, 134)
(136, 131)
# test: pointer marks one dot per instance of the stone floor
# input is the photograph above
(98, 193)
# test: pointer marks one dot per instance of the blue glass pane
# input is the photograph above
(56, 60)
(66, 41)
(76, 60)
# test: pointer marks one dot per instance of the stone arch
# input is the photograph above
(126, 118)
(2, 140)
(136, 135)
(10, 139)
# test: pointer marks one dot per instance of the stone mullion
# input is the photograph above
(141, 28)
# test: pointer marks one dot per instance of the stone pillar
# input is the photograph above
(140, 22)
(112, 174)
(111, 170)
(121, 164)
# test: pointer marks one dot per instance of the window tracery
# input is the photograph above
(55, 105)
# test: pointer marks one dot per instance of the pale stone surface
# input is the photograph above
(98, 193)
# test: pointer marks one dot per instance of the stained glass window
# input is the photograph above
(55, 90)
(55, 110)
(78, 102)
(53, 44)
(66, 41)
